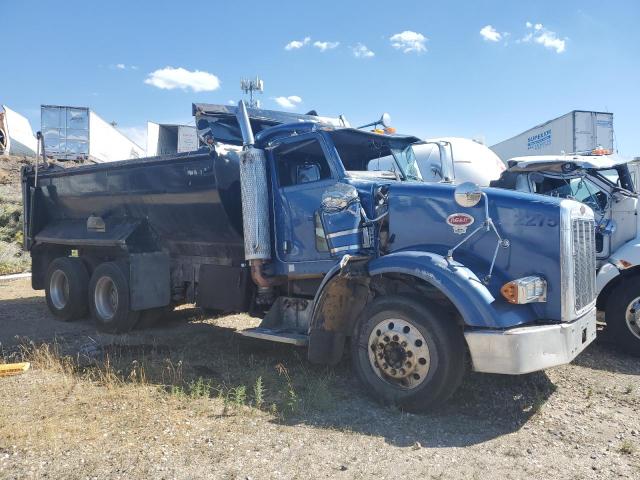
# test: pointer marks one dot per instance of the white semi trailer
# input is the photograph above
(165, 139)
(78, 133)
(576, 131)
(16, 134)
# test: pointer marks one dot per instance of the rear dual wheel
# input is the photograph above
(66, 288)
(109, 299)
(408, 354)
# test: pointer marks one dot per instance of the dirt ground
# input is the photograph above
(192, 399)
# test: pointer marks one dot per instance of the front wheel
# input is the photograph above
(622, 316)
(408, 354)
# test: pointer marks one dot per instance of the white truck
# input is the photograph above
(576, 131)
(166, 139)
(79, 134)
(458, 160)
(608, 184)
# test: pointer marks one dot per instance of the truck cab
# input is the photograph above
(331, 235)
(608, 185)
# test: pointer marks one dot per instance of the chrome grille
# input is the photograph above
(583, 249)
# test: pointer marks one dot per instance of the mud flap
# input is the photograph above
(149, 280)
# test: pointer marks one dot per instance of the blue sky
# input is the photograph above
(425, 62)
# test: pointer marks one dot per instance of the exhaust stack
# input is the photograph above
(255, 206)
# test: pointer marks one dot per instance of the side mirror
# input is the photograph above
(467, 194)
(608, 228)
(385, 120)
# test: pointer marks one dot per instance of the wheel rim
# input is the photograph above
(398, 353)
(632, 317)
(106, 298)
(59, 289)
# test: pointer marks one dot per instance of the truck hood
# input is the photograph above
(422, 217)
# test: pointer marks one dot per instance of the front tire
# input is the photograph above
(408, 354)
(66, 288)
(622, 316)
(109, 299)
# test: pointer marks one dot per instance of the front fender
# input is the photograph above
(476, 304)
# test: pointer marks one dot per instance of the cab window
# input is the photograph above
(301, 162)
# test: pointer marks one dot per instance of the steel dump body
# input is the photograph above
(191, 202)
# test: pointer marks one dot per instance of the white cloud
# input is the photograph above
(361, 51)
(409, 41)
(324, 46)
(545, 37)
(231, 102)
(169, 78)
(137, 134)
(550, 40)
(121, 66)
(296, 44)
(490, 34)
(291, 101)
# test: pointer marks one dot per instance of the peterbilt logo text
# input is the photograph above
(460, 222)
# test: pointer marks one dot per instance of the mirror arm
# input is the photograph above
(487, 226)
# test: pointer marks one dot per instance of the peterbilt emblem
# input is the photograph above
(460, 222)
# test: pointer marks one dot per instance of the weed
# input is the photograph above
(177, 391)
(627, 447)
(292, 401)
(199, 388)
(238, 396)
(629, 389)
(258, 393)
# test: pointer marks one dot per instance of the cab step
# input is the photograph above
(276, 335)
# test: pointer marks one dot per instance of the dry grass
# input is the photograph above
(127, 368)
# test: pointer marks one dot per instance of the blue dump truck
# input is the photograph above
(328, 233)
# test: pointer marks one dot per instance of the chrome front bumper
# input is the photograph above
(527, 349)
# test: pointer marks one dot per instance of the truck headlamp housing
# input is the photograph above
(525, 290)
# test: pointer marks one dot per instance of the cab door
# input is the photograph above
(301, 172)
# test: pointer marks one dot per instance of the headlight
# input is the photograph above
(525, 290)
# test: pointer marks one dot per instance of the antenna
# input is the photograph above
(248, 86)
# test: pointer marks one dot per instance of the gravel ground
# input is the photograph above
(576, 421)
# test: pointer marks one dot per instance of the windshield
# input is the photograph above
(406, 160)
(373, 155)
(618, 176)
(578, 188)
